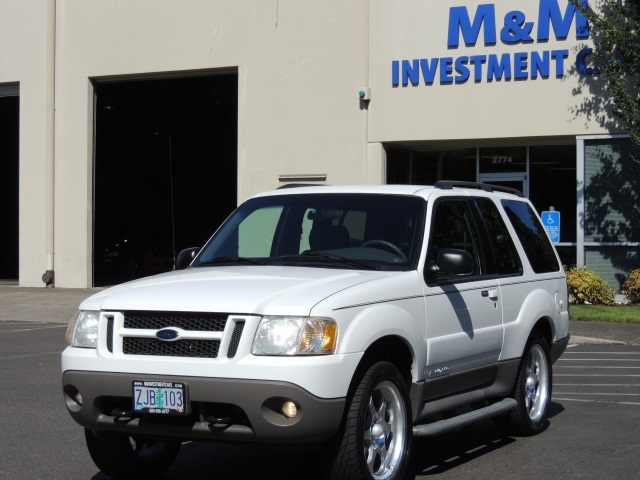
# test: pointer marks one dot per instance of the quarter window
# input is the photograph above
(504, 251)
(532, 236)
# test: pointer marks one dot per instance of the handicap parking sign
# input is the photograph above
(551, 222)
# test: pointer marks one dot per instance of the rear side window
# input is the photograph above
(504, 251)
(532, 236)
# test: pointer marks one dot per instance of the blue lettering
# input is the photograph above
(549, 13)
(520, 66)
(429, 70)
(515, 28)
(498, 68)
(446, 70)
(410, 72)
(395, 73)
(539, 65)
(459, 22)
(462, 69)
(477, 61)
(581, 62)
(559, 56)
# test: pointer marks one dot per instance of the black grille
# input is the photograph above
(110, 334)
(235, 340)
(179, 348)
(195, 321)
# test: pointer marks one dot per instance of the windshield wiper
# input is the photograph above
(329, 258)
(218, 260)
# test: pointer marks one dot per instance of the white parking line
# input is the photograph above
(593, 401)
(32, 329)
(596, 384)
(601, 353)
(591, 367)
(591, 375)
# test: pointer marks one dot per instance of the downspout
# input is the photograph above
(48, 277)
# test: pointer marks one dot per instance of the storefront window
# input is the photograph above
(612, 186)
(552, 184)
(503, 159)
(398, 166)
(419, 167)
(612, 210)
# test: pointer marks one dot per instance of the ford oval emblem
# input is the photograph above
(167, 334)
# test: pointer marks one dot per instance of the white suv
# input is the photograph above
(350, 318)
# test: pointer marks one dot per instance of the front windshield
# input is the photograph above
(321, 230)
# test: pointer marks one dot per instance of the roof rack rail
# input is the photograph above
(487, 187)
(296, 185)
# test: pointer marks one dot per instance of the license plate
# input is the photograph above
(161, 398)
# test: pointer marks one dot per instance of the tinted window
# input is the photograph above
(382, 231)
(454, 227)
(532, 236)
(504, 251)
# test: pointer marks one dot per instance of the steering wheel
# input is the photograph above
(386, 245)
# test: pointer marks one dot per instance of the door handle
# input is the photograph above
(492, 294)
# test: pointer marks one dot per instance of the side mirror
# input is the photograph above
(185, 257)
(450, 261)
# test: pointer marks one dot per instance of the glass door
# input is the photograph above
(517, 181)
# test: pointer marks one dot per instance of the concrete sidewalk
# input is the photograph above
(59, 304)
(41, 304)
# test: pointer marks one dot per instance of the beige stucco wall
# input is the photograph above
(300, 66)
(23, 59)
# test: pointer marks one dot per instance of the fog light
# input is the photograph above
(77, 398)
(289, 409)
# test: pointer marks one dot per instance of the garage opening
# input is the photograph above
(165, 170)
(9, 179)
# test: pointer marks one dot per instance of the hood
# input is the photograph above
(264, 290)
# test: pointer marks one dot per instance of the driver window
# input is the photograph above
(453, 226)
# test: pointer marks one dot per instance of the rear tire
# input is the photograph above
(123, 457)
(375, 442)
(532, 392)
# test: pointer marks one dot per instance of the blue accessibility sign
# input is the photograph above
(551, 222)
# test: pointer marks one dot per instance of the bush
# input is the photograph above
(588, 287)
(631, 287)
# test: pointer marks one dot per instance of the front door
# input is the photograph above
(464, 313)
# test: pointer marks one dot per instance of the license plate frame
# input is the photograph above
(159, 397)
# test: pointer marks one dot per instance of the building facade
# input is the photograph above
(131, 129)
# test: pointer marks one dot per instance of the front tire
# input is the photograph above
(532, 392)
(376, 440)
(123, 457)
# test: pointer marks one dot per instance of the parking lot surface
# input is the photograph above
(592, 432)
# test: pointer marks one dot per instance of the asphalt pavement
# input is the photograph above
(57, 305)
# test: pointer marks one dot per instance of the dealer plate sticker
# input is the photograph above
(162, 398)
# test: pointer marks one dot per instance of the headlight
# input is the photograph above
(295, 336)
(83, 329)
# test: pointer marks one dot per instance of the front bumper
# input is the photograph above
(251, 409)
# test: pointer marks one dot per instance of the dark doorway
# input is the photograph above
(9, 179)
(165, 171)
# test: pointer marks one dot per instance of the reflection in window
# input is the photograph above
(553, 184)
(420, 167)
(454, 227)
(532, 236)
(612, 186)
(504, 251)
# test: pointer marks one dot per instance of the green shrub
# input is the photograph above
(631, 287)
(588, 287)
